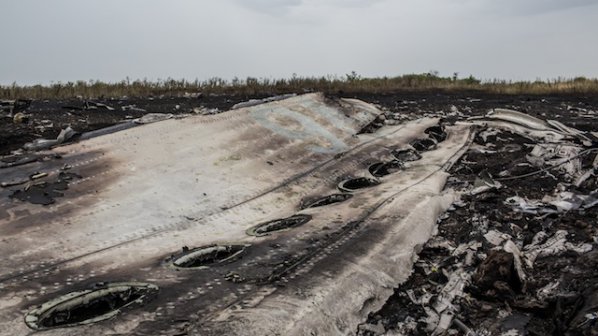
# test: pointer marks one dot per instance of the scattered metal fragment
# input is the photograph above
(565, 157)
(17, 160)
(21, 118)
(205, 111)
(483, 183)
(487, 133)
(561, 202)
(89, 105)
(548, 291)
(45, 193)
(568, 201)
(234, 277)
(526, 206)
(41, 193)
(107, 130)
(133, 108)
(510, 247)
(465, 329)
(254, 102)
(531, 127)
(40, 144)
(14, 182)
(554, 245)
(443, 306)
(37, 175)
(153, 117)
(496, 238)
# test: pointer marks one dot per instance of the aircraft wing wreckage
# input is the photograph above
(270, 219)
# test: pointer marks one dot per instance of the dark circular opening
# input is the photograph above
(434, 129)
(406, 155)
(423, 145)
(208, 255)
(88, 306)
(380, 169)
(326, 200)
(278, 224)
(437, 133)
(357, 183)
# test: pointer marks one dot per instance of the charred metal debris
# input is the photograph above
(516, 255)
(44, 192)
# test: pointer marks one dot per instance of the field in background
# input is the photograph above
(350, 83)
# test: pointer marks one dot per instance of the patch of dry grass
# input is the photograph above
(351, 83)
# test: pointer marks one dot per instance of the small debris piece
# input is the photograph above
(483, 183)
(20, 118)
(38, 175)
(17, 160)
(132, 108)
(44, 193)
(254, 102)
(153, 117)
(40, 144)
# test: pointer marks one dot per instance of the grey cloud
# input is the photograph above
(533, 7)
(279, 7)
(348, 3)
(112, 39)
(269, 6)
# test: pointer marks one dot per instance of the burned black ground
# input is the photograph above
(495, 300)
(47, 118)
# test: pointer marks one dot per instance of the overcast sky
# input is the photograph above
(47, 41)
